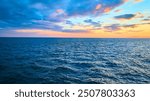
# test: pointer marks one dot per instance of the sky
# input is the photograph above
(75, 18)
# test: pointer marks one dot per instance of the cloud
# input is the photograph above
(46, 14)
(69, 23)
(113, 27)
(126, 0)
(146, 20)
(129, 16)
(139, 15)
(98, 6)
(106, 10)
(118, 10)
(118, 27)
(130, 26)
(125, 17)
(91, 22)
(137, 1)
(126, 27)
(88, 7)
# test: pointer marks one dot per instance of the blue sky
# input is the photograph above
(74, 18)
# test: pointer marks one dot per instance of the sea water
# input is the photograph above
(74, 60)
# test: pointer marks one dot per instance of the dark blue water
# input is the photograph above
(56, 60)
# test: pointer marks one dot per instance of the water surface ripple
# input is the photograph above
(81, 61)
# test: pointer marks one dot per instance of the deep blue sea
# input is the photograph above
(75, 61)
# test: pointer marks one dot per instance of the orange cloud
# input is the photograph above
(136, 1)
(98, 6)
(106, 10)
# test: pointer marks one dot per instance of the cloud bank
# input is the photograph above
(46, 14)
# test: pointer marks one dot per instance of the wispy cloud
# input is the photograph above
(129, 16)
(125, 17)
(93, 23)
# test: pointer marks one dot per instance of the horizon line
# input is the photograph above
(78, 37)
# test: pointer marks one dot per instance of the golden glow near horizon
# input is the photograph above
(141, 31)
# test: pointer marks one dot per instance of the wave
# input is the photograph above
(80, 61)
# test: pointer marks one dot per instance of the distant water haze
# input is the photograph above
(74, 61)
